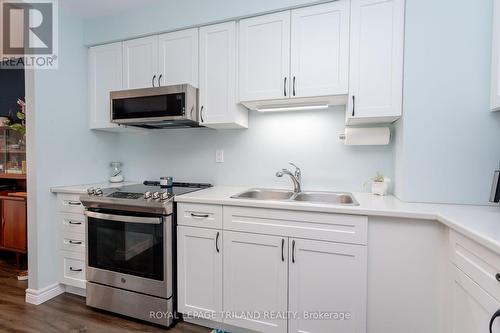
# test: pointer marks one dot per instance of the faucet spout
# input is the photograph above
(296, 180)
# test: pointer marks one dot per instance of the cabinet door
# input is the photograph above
(328, 278)
(14, 224)
(320, 50)
(471, 306)
(264, 57)
(255, 281)
(105, 75)
(218, 107)
(376, 60)
(495, 66)
(199, 279)
(140, 63)
(178, 58)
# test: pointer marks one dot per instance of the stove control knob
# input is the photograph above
(147, 195)
(98, 191)
(156, 196)
(91, 191)
(164, 196)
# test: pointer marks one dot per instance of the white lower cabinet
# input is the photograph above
(199, 275)
(286, 280)
(255, 281)
(471, 306)
(327, 279)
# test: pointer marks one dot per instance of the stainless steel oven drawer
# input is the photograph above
(148, 308)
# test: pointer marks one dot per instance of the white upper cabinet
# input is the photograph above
(255, 280)
(327, 277)
(376, 61)
(199, 270)
(218, 104)
(140, 62)
(178, 58)
(264, 57)
(495, 66)
(320, 50)
(105, 75)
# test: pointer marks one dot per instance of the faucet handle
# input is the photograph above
(297, 170)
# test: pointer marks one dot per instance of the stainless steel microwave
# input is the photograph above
(153, 108)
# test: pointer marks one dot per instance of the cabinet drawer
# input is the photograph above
(69, 203)
(72, 242)
(320, 226)
(72, 223)
(199, 215)
(73, 269)
(479, 263)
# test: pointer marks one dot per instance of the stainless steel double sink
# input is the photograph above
(333, 198)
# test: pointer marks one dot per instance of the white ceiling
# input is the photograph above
(88, 9)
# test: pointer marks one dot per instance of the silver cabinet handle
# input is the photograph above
(283, 249)
(293, 92)
(75, 242)
(75, 269)
(284, 87)
(153, 80)
(201, 114)
(217, 242)
(75, 223)
(159, 80)
(200, 216)
(74, 203)
(293, 251)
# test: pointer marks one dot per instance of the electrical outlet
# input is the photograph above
(219, 156)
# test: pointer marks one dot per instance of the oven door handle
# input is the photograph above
(122, 218)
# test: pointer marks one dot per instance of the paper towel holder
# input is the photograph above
(365, 134)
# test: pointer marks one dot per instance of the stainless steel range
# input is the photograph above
(131, 249)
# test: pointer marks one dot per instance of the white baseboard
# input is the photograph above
(40, 296)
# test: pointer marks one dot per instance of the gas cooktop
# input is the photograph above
(148, 197)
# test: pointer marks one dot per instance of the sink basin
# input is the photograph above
(264, 194)
(333, 198)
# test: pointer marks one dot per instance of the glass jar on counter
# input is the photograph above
(116, 174)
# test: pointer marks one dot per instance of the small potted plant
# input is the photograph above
(380, 184)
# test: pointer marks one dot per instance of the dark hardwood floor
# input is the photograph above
(65, 313)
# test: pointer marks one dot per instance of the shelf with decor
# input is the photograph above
(12, 154)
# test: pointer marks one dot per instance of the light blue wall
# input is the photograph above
(448, 142)
(167, 15)
(252, 156)
(65, 151)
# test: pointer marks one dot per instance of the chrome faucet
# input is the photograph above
(296, 177)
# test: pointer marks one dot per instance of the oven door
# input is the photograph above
(130, 252)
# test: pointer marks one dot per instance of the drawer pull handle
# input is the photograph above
(74, 203)
(75, 242)
(75, 223)
(293, 251)
(495, 316)
(200, 216)
(75, 269)
(497, 276)
(217, 242)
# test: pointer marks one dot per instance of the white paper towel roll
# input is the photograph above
(355, 136)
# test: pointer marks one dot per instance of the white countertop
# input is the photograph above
(480, 223)
(82, 189)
